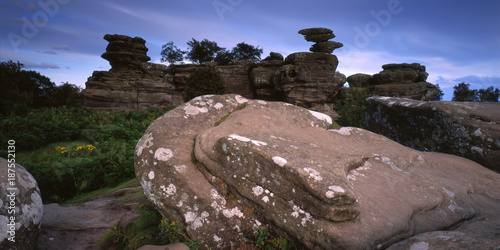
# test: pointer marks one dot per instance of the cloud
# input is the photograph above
(42, 65)
(61, 47)
(50, 52)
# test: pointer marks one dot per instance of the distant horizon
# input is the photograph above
(63, 39)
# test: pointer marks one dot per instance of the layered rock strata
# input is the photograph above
(397, 80)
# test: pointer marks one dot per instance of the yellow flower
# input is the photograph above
(173, 223)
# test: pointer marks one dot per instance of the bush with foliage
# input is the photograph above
(204, 81)
(352, 108)
(64, 169)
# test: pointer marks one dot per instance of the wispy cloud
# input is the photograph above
(61, 47)
(50, 52)
(42, 65)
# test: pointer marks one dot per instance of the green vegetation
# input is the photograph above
(207, 51)
(74, 150)
(463, 93)
(204, 81)
(352, 109)
(264, 240)
(22, 90)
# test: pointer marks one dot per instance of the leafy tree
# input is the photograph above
(171, 54)
(244, 51)
(224, 57)
(204, 81)
(66, 95)
(440, 94)
(21, 89)
(204, 51)
(489, 94)
(462, 93)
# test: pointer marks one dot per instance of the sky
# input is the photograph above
(457, 40)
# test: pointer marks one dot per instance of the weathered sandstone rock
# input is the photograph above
(467, 129)
(278, 166)
(124, 52)
(320, 36)
(20, 200)
(308, 78)
(397, 80)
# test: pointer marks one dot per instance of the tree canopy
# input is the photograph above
(463, 93)
(206, 51)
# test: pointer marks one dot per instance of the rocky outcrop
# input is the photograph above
(397, 80)
(307, 79)
(132, 83)
(467, 129)
(223, 166)
(21, 207)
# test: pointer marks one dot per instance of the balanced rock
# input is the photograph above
(359, 80)
(274, 56)
(321, 37)
(21, 207)
(400, 73)
(309, 78)
(276, 165)
(124, 52)
(467, 129)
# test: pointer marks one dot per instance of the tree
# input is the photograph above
(204, 51)
(489, 94)
(66, 95)
(21, 89)
(439, 95)
(224, 57)
(462, 93)
(244, 51)
(204, 81)
(171, 54)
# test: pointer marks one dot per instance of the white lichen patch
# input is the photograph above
(314, 174)
(151, 175)
(451, 194)
(181, 168)
(163, 154)
(388, 161)
(334, 189)
(193, 110)
(170, 190)
(240, 99)
(229, 213)
(343, 130)
(145, 142)
(477, 150)
(420, 246)
(218, 105)
(279, 161)
(194, 221)
(257, 190)
(321, 116)
(245, 139)
(297, 212)
(265, 199)
(351, 176)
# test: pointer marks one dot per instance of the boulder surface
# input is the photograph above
(467, 129)
(275, 165)
(21, 207)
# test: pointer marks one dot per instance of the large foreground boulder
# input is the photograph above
(467, 129)
(21, 207)
(222, 169)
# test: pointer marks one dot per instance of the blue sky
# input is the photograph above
(456, 40)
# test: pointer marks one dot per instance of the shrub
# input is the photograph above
(204, 81)
(352, 109)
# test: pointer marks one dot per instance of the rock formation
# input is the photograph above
(222, 166)
(132, 83)
(467, 129)
(308, 79)
(397, 80)
(21, 207)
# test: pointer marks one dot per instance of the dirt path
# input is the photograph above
(78, 227)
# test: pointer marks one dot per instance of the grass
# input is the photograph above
(109, 190)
